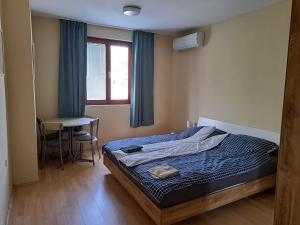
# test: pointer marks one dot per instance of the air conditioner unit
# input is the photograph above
(194, 40)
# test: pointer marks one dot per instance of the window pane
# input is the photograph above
(96, 69)
(119, 72)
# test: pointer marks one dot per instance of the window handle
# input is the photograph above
(109, 74)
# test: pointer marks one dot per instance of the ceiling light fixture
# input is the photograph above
(131, 10)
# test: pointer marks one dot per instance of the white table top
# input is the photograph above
(71, 122)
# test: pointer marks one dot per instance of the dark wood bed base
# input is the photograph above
(191, 208)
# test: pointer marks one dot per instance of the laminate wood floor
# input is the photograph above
(85, 195)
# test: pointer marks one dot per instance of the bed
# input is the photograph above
(207, 180)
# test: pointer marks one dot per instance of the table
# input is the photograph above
(70, 123)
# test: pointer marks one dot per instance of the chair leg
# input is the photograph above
(76, 152)
(81, 149)
(97, 145)
(71, 150)
(61, 159)
(93, 153)
(43, 156)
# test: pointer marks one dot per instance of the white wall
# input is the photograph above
(4, 167)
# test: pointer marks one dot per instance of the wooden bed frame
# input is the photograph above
(182, 211)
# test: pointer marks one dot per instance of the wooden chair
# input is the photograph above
(56, 143)
(40, 134)
(92, 138)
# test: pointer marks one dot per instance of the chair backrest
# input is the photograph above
(94, 127)
(58, 127)
(53, 127)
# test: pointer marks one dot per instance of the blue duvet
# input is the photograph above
(237, 154)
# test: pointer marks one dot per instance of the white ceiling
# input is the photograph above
(164, 16)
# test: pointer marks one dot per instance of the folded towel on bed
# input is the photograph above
(131, 149)
(163, 171)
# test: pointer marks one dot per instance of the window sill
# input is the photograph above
(104, 103)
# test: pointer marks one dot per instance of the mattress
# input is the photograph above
(200, 174)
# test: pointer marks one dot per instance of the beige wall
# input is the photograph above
(45, 34)
(114, 119)
(20, 90)
(238, 76)
(109, 33)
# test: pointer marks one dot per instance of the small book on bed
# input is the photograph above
(131, 149)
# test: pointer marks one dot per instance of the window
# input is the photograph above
(108, 72)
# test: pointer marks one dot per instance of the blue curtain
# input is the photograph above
(72, 68)
(141, 110)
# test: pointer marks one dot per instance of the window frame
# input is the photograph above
(108, 43)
